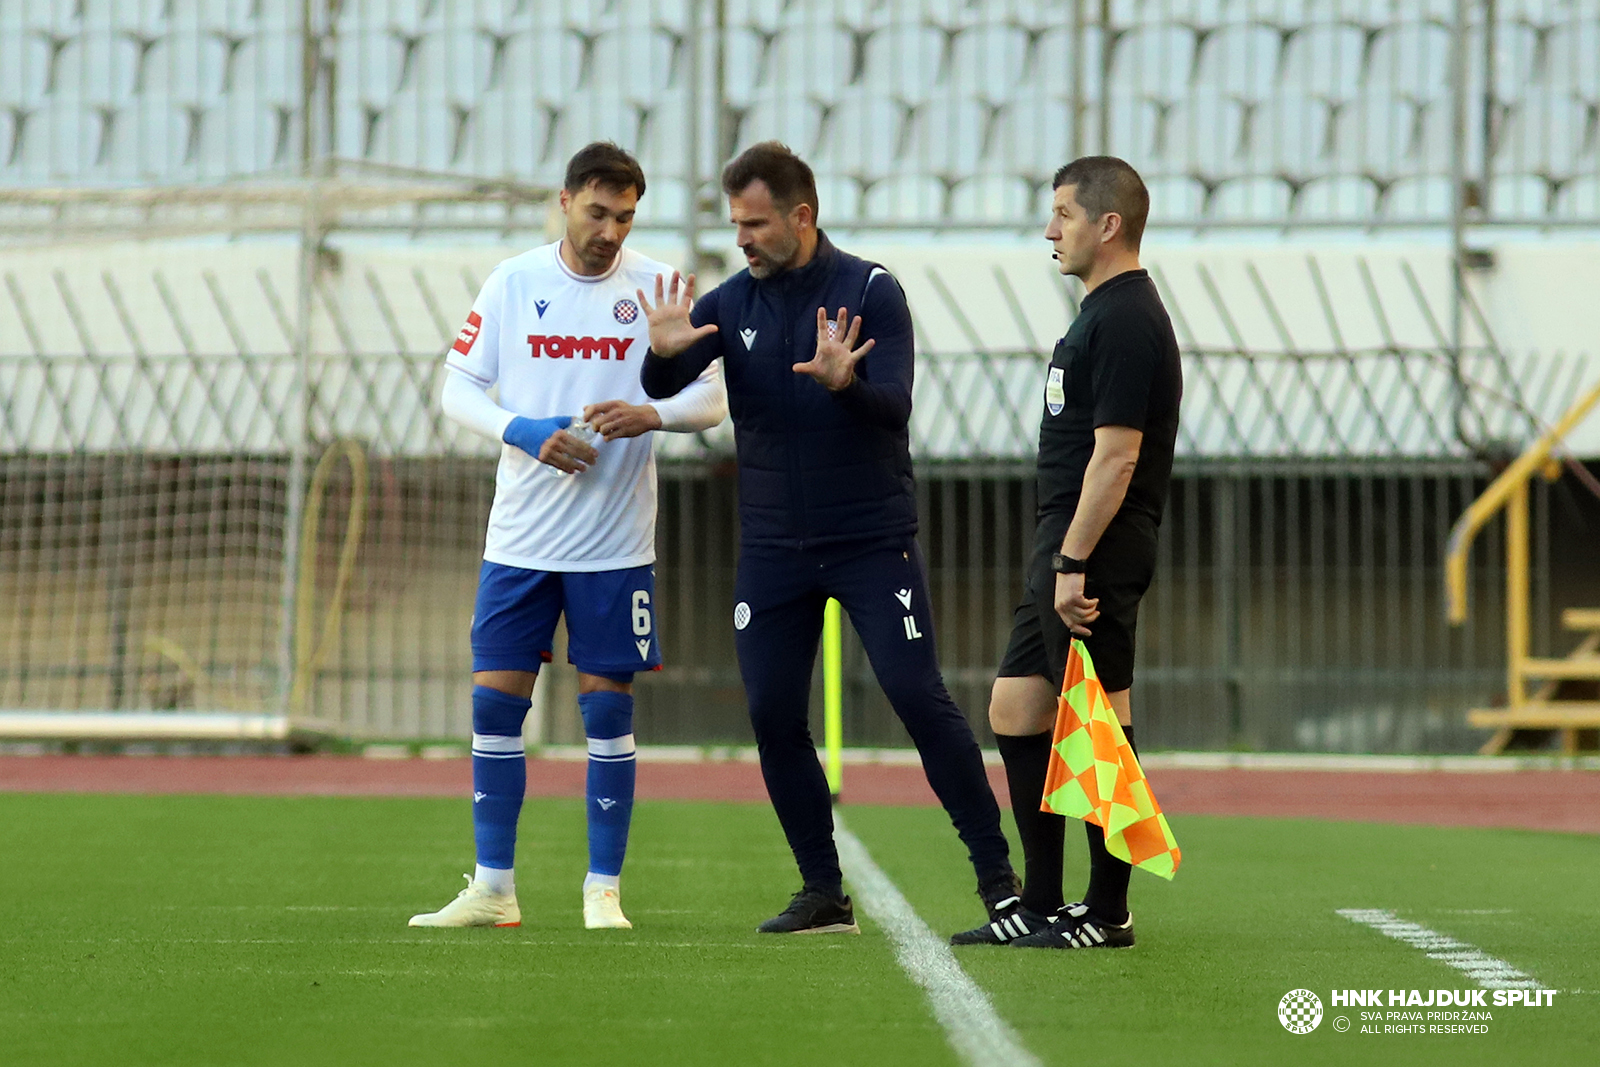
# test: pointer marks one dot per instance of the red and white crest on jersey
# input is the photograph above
(468, 334)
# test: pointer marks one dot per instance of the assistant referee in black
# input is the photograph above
(1111, 395)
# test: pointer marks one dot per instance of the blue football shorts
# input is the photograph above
(611, 619)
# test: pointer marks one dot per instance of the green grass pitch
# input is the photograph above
(222, 931)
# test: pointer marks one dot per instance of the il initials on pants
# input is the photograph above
(912, 633)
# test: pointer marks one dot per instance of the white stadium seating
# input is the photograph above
(1317, 111)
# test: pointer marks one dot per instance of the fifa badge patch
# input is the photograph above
(1055, 392)
(624, 311)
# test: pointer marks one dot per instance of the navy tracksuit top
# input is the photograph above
(814, 467)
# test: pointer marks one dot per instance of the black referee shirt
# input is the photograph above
(1117, 366)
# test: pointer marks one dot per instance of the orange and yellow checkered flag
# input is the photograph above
(1095, 776)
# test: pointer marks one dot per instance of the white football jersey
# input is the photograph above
(554, 341)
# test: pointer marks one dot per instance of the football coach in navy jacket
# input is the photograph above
(817, 353)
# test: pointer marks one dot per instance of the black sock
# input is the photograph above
(1107, 896)
(1027, 761)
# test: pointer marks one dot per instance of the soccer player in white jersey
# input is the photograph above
(572, 529)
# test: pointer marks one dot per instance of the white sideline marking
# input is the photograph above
(1488, 972)
(976, 1032)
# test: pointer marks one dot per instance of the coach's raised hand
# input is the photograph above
(670, 329)
(834, 364)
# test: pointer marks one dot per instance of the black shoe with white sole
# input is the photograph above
(1002, 899)
(1016, 921)
(1074, 927)
(813, 911)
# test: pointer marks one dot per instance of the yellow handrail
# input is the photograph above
(1501, 492)
(312, 648)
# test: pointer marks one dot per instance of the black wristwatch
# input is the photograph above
(1067, 565)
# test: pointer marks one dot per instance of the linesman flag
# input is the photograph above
(1094, 775)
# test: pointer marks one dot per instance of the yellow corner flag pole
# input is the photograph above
(833, 698)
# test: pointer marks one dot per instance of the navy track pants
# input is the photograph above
(882, 585)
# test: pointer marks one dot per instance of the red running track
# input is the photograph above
(1537, 800)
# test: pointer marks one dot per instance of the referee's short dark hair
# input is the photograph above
(606, 164)
(786, 175)
(1104, 184)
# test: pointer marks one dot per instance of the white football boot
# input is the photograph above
(475, 905)
(602, 909)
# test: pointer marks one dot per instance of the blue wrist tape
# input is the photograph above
(531, 434)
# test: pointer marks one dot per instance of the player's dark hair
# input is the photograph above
(1104, 184)
(606, 164)
(785, 174)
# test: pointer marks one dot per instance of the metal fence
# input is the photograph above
(916, 113)
(226, 484)
(205, 504)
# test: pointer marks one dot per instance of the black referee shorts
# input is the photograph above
(1120, 569)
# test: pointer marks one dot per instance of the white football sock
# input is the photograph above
(496, 880)
(611, 881)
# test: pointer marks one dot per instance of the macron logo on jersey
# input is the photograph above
(553, 347)
(468, 334)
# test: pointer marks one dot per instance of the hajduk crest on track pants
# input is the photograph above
(1095, 776)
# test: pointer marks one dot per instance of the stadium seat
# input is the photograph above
(266, 68)
(1240, 60)
(995, 198)
(1152, 61)
(1521, 52)
(1295, 134)
(815, 60)
(1579, 199)
(948, 135)
(665, 203)
(796, 122)
(1057, 61)
(1420, 198)
(1175, 199)
(1547, 135)
(640, 64)
(906, 198)
(452, 67)
(1254, 199)
(1337, 199)
(1035, 134)
(1518, 197)
(1389, 138)
(1324, 61)
(865, 137)
(1137, 130)
(1572, 46)
(1411, 59)
(547, 66)
(746, 68)
(838, 200)
(24, 65)
(906, 60)
(94, 69)
(1206, 134)
(988, 59)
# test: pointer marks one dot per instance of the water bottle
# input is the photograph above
(583, 432)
